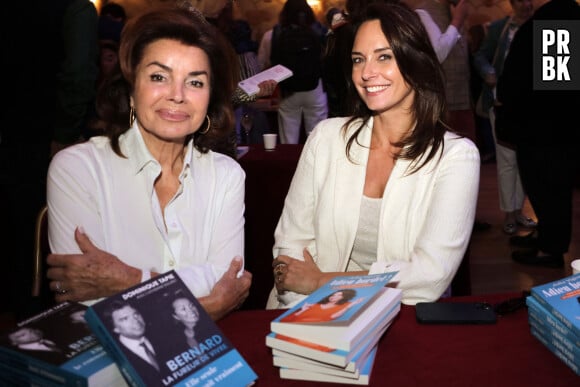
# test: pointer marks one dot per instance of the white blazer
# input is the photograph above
(426, 217)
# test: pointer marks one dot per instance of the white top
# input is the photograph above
(442, 42)
(425, 219)
(364, 248)
(113, 199)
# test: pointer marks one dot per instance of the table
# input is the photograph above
(410, 354)
(268, 177)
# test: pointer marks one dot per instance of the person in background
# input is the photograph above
(391, 188)
(239, 34)
(152, 195)
(52, 78)
(445, 27)
(301, 104)
(335, 61)
(545, 133)
(112, 18)
(488, 61)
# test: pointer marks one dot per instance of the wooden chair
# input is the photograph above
(41, 249)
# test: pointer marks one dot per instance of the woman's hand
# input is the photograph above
(229, 293)
(92, 274)
(266, 88)
(295, 275)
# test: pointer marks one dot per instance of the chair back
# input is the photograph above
(41, 249)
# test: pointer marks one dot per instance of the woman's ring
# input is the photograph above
(58, 288)
(279, 268)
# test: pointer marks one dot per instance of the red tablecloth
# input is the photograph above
(410, 354)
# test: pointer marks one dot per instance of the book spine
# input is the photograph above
(555, 350)
(44, 370)
(549, 322)
(102, 334)
(554, 311)
(557, 340)
(11, 376)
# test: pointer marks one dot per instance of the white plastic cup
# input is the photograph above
(575, 266)
(270, 140)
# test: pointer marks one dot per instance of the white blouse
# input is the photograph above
(200, 231)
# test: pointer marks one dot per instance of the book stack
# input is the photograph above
(56, 348)
(332, 335)
(554, 317)
(160, 335)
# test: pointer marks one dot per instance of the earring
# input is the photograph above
(208, 126)
(132, 116)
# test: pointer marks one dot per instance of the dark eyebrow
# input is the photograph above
(378, 50)
(167, 68)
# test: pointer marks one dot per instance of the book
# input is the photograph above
(347, 360)
(57, 346)
(352, 368)
(574, 366)
(561, 298)
(559, 342)
(363, 301)
(548, 322)
(298, 363)
(277, 73)
(362, 379)
(160, 335)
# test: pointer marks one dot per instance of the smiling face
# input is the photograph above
(172, 90)
(375, 72)
(185, 311)
(336, 297)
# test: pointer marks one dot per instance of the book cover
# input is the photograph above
(58, 346)
(548, 322)
(348, 360)
(555, 350)
(562, 299)
(277, 73)
(337, 314)
(160, 335)
(362, 379)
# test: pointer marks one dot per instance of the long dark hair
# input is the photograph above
(347, 295)
(421, 69)
(186, 25)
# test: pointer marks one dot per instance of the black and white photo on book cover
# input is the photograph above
(57, 346)
(162, 336)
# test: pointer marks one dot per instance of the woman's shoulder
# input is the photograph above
(221, 164)
(89, 148)
(456, 144)
(330, 127)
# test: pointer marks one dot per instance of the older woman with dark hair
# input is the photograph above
(151, 195)
(391, 188)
